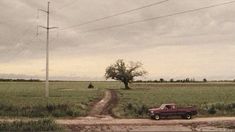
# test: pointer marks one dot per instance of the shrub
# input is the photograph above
(212, 110)
(129, 106)
(204, 80)
(143, 110)
(220, 108)
(90, 86)
(230, 107)
(134, 110)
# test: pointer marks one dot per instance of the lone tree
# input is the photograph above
(204, 80)
(123, 72)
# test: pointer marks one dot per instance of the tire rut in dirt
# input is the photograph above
(107, 110)
(105, 105)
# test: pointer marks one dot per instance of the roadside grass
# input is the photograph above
(225, 124)
(27, 99)
(40, 125)
(211, 99)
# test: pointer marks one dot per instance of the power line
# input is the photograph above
(27, 44)
(21, 49)
(23, 33)
(117, 14)
(26, 33)
(68, 4)
(19, 40)
(160, 17)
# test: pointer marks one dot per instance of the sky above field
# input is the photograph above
(198, 45)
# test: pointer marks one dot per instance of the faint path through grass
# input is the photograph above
(104, 106)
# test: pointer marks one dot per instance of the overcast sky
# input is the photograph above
(196, 45)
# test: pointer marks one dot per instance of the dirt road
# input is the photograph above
(107, 120)
(108, 123)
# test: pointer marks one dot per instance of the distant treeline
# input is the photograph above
(187, 80)
(19, 80)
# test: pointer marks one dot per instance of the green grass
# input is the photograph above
(134, 103)
(66, 98)
(72, 99)
(40, 125)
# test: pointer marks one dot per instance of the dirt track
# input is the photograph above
(104, 106)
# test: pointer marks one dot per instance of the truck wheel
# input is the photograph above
(157, 117)
(188, 116)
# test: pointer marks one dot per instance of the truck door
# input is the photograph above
(168, 111)
(174, 110)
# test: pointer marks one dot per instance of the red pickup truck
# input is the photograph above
(166, 110)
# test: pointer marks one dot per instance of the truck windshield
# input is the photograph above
(162, 106)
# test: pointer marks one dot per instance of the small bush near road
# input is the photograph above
(135, 110)
(211, 110)
(220, 108)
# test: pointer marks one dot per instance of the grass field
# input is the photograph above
(66, 98)
(210, 98)
(74, 98)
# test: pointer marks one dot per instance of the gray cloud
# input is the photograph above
(214, 27)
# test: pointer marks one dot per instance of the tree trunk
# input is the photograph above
(126, 85)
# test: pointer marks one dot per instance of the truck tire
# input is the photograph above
(188, 116)
(157, 117)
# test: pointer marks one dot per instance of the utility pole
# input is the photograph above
(48, 28)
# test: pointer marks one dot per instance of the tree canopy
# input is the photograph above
(124, 72)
